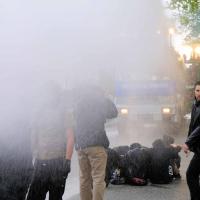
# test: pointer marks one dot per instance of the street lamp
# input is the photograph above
(171, 31)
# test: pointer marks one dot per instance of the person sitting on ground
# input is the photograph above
(161, 171)
(138, 165)
(169, 142)
(135, 145)
(113, 160)
(118, 176)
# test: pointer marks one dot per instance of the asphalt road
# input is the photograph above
(145, 135)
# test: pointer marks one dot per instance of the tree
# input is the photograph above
(188, 15)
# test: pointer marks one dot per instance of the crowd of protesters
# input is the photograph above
(138, 165)
(37, 143)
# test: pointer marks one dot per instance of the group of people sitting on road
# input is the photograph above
(137, 164)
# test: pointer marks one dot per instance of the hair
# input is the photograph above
(135, 145)
(158, 144)
(197, 83)
(168, 139)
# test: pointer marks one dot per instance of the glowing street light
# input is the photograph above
(171, 31)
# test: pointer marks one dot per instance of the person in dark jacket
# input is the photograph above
(176, 163)
(91, 111)
(193, 144)
(112, 164)
(118, 176)
(138, 165)
(15, 152)
(161, 171)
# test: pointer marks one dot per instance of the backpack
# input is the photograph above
(113, 160)
(138, 166)
(161, 170)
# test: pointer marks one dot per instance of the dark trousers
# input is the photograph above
(49, 176)
(15, 177)
(192, 175)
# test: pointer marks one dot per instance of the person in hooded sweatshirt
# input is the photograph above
(193, 144)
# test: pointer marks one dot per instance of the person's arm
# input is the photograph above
(34, 141)
(70, 143)
(185, 149)
(193, 137)
(69, 151)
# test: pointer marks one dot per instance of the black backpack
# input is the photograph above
(138, 166)
(161, 170)
(112, 164)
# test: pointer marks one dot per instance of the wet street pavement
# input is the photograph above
(145, 135)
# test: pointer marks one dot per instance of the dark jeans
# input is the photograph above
(192, 175)
(49, 176)
(15, 177)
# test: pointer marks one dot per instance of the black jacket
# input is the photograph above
(91, 113)
(161, 171)
(193, 140)
(138, 163)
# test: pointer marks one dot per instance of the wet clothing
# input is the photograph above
(49, 176)
(15, 152)
(49, 130)
(91, 111)
(121, 150)
(91, 114)
(15, 175)
(138, 166)
(112, 164)
(192, 176)
(161, 171)
(123, 163)
(92, 164)
(193, 142)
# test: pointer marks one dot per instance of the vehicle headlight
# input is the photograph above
(166, 110)
(124, 111)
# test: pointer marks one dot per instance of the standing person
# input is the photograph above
(91, 111)
(193, 144)
(52, 143)
(15, 152)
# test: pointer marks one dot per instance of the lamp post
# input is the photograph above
(171, 32)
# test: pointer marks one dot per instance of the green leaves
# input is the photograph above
(190, 6)
(188, 14)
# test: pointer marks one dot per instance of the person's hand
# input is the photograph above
(173, 145)
(185, 149)
(178, 147)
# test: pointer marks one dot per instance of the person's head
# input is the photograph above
(197, 90)
(50, 93)
(135, 145)
(167, 139)
(158, 144)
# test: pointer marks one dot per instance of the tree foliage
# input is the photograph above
(188, 14)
